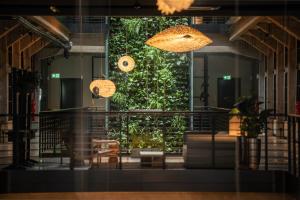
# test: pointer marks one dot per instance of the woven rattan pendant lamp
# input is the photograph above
(178, 39)
(126, 63)
(103, 88)
(168, 7)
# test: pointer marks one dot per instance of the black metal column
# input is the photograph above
(15, 135)
(289, 146)
(205, 81)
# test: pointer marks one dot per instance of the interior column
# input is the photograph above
(280, 79)
(292, 74)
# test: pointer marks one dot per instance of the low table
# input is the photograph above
(152, 158)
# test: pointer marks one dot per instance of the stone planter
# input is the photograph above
(249, 153)
(254, 147)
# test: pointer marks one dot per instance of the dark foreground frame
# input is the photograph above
(143, 180)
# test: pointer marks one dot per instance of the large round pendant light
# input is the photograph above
(168, 7)
(95, 87)
(126, 63)
(179, 38)
(104, 88)
(107, 89)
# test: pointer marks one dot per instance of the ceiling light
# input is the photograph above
(179, 38)
(126, 63)
(168, 7)
(53, 9)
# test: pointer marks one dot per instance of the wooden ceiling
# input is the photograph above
(147, 7)
(266, 33)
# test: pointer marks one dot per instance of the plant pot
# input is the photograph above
(254, 147)
(249, 153)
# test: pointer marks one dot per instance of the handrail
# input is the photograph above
(294, 115)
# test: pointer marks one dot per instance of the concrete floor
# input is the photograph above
(146, 196)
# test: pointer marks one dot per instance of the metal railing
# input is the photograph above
(293, 145)
(69, 133)
(183, 137)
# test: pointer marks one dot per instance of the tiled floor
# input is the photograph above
(146, 196)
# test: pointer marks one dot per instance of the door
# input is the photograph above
(71, 93)
(228, 91)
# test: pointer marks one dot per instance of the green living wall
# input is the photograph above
(159, 81)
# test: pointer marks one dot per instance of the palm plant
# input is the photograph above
(253, 121)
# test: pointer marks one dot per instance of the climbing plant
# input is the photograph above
(160, 79)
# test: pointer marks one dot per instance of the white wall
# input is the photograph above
(225, 58)
(76, 66)
(221, 44)
(236, 66)
(220, 64)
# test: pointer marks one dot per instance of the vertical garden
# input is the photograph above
(159, 81)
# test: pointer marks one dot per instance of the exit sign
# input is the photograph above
(55, 75)
(227, 77)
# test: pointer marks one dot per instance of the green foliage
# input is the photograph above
(152, 139)
(160, 79)
(253, 120)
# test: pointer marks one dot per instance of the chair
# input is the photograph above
(105, 148)
(114, 149)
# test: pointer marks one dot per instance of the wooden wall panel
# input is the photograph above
(16, 56)
(3, 77)
(27, 60)
(270, 80)
(261, 87)
(280, 78)
(292, 74)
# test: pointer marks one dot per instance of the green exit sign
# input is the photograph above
(227, 77)
(55, 75)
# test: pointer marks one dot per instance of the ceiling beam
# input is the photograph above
(15, 35)
(28, 40)
(233, 20)
(255, 44)
(296, 18)
(7, 27)
(263, 38)
(243, 25)
(51, 24)
(274, 32)
(288, 24)
(36, 47)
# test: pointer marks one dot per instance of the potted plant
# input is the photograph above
(252, 123)
(150, 141)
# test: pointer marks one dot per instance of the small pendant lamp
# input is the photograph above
(104, 88)
(126, 63)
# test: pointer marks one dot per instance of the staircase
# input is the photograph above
(277, 153)
(6, 148)
(5, 154)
